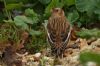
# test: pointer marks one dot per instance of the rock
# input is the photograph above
(91, 64)
(75, 58)
(82, 43)
(49, 60)
(46, 61)
(30, 57)
(68, 52)
(89, 41)
(96, 43)
(37, 56)
(24, 60)
(32, 64)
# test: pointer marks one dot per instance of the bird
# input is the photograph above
(58, 32)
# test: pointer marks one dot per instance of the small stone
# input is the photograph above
(96, 43)
(91, 64)
(37, 55)
(24, 60)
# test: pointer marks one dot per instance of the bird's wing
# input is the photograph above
(51, 32)
(66, 36)
(64, 31)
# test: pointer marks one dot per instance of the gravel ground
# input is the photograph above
(71, 56)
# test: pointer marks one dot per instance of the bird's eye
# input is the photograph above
(56, 10)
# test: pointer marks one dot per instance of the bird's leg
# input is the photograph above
(62, 55)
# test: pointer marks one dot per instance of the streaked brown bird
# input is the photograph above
(58, 30)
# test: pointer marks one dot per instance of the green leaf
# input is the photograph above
(88, 6)
(35, 20)
(34, 33)
(45, 1)
(10, 1)
(97, 10)
(85, 5)
(85, 33)
(30, 12)
(21, 21)
(73, 16)
(13, 6)
(69, 2)
(31, 15)
(1, 16)
(90, 56)
(8, 21)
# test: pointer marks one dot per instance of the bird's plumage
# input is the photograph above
(58, 29)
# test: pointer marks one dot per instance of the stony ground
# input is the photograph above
(71, 55)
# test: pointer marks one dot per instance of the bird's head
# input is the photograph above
(57, 11)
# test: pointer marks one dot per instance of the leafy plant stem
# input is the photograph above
(7, 13)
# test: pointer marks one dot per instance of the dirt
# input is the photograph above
(71, 55)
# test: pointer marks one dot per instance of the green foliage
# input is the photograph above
(34, 32)
(22, 21)
(88, 6)
(37, 42)
(73, 16)
(44, 2)
(32, 15)
(30, 12)
(2, 17)
(85, 33)
(8, 30)
(9, 1)
(30, 18)
(89, 56)
(69, 2)
(15, 1)
(26, 22)
(13, 6)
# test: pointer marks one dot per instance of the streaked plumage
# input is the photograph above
(58, 29)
